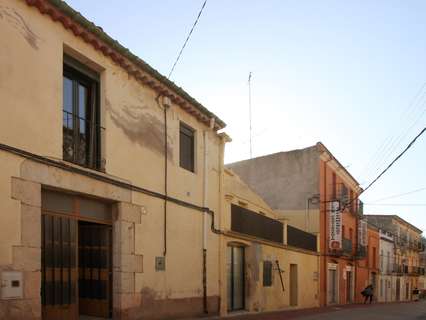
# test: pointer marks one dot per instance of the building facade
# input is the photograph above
(367, 265)
(110, 177)
(407, 247)
(387, 281)
(422, 277)
(315, 193)
(266, 264)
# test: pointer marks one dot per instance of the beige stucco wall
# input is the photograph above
(259, 298)
(308, 220)
(285, 180)
(31, 62)
(9, 208)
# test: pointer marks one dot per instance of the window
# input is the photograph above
(186, 141)
(334, 186)
(374, 257)
(388, 262)
(267, 273)
(344, 193)
(81, 120)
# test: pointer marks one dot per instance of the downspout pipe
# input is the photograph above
(165, 104)
(205, 225)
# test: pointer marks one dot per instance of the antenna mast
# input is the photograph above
(249, 84)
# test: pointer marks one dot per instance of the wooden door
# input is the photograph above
(349, 287)
(59, 268)
(332, 286)
(398, 289)
(293, 285)
(95, 270)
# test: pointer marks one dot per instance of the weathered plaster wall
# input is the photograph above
(284, 180)
(31, 62)
(9, 208)
(258, 297)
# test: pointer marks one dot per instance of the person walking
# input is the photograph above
(368, 293)
(416, 293)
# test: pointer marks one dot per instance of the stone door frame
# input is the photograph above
(26, 257)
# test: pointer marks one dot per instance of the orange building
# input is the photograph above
(367, 268)
(339, 244)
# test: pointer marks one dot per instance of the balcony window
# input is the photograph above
(81, 121)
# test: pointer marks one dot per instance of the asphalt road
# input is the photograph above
(391, 311)
(394, 311)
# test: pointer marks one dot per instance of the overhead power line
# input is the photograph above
(389, 145)
(396, 159)
(388, 167)
(397, 204)
(399, 195)
(187, 39)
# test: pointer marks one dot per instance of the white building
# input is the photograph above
(387, 281)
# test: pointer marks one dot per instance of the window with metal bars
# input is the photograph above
(81, 116)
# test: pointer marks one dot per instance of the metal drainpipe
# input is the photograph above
(164, 107)
(166, 170)
(205, 225)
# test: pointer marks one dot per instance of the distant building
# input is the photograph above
(315, 193)
(367, 266)
(406, 268)
(422, 277)
(386, 291)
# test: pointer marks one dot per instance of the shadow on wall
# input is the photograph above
(141, 127)
(15, 20)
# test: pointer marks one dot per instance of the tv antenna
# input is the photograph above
(249, 85)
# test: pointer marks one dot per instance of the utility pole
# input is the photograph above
(249, 84)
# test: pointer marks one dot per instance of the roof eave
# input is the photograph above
(115, 49)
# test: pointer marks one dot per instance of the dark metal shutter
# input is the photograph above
(251, 223)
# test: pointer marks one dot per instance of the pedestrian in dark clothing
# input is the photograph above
(368, 293)
(416, 293)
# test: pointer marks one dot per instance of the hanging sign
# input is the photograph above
(362, 232)
(335, 223)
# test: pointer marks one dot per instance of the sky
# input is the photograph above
(350, 74)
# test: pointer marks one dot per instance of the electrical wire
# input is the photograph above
(384, 150)
(387, 143)
(401, 138)
(399, 195)
(395, 160)
(396, 204)
(387, 168)
(187, 39)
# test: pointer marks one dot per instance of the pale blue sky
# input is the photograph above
(340, 72)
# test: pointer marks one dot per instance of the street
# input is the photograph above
(392, 311)
(415, 310)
